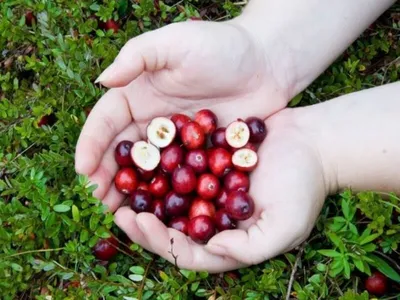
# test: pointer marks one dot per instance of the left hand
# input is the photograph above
(289, 189)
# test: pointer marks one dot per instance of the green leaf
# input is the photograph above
(359, 264)
(135, 277)
(384, 267)
(61, 208)
(337, 241)
(330, 253)
(137, 270)
(75, 213)
(49, 266)
(16, 267)
(84, 236)
(369, 238)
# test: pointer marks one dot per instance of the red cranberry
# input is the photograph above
(236, 181)
(159, 186)
(158, 209)
(221, 199)
(208, 186)
(143, 186)
(126, 181)
(192, 136)
(239, 205)
(30, 18)
(207, 120)
(257, 128)
(180, 224)
(201, 207)
(376, 284)
(220, 161)
(141, 201)
(105, 249)
(251, 146)
(184, 180)
(176, 205)
(223, 221)
(171, 158)
(123, 154)
(111, 24)
(145, 175)
(201, 229)
(197, 159)
(180, 120)
(218, 139)
(49, 120)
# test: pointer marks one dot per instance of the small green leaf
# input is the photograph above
(49, 266)
(61, 208)
(84, 236)
(384, 267)
(137, 270)
(16, 267)
(329, 253)
(369, 239)
(75, 213)
(296, 100)
(135, 277)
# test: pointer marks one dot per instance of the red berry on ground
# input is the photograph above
(201, 229)
(208, 186)
(122, 153)
(105, 249)
(30, 18)
(126, 181)
(376, 284)
(111, 25)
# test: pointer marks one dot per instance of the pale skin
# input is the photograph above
(250, 66)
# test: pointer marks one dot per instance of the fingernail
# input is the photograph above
(106, 74)
(216, 249)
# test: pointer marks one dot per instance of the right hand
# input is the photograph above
(181, 67)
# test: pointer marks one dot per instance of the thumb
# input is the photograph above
(147, 52)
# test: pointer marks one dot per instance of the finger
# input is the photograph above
(125, 218)
(148, 52)
(113, 199)
(104, 174)
(157, 236)
(106, 120)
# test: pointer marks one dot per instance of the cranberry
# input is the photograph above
(180, 120)
(123, 154)
(236, 181)
(159, 186)
(201, 207)
(49, 120)
(251, 146)
(184, 180)
(192, 136)
(221, 199)
(207, 120)
(105, 249)
(218, 139)
(220, 161)
(30, 18)
(176, 205)
(143, 186)
(197, 159)
(158, 209)
(239, 205)
(257, 128)
(145, 175)
(208, 186)
(111, 24)
(223, 221)
(180, 224)
(141, 201)
(171, 158)
(376, 284)
(126, 181)
(201, 229)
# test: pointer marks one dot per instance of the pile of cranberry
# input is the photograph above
(192, 175)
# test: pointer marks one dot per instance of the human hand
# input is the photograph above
(288, 187)
(179, 68)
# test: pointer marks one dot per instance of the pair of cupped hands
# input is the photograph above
(182, 68)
